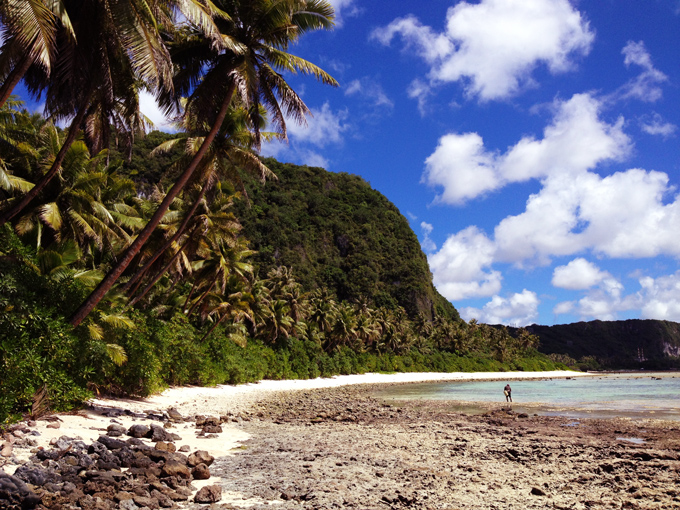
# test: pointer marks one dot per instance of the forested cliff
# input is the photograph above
(334, 230)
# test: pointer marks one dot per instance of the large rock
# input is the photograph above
(138, 430)
(200, 472)
(14, 493)
(174, 468)
(209, 494)
(200, 457)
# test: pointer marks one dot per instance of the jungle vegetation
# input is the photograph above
(129, 262)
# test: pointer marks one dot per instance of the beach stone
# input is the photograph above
(200, 472)
(6, 450)
(53, 425)
(115, 430)
(185, 448)
(209, 494)
(212, 429)
(138, 430)
(163, 500)
(174, 468)
(537, 492)
(112, 443)
(157, 433)
(16, 493)
(200, 457)
(175, 415)
(166, 447)
(128, 504)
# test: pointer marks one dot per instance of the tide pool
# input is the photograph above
(632, 395)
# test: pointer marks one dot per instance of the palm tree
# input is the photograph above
(77, 207)
(97, 74)
(233, 304)
(277, 321)
(230, 152)
(29, 30)
(252, 46)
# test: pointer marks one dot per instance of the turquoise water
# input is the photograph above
(633, 395)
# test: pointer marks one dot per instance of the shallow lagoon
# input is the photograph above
(632, 394)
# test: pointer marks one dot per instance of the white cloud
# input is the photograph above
(462, 166)
(420, 91)
(494, 46)
(428, 244)
(422, 39)
(520, 309)
(578, 274)
(622, 216)
(324, 127)
(576, 141)
(646, 85)
(656, 125)
(563, 308)
(459, 267)
(660, 297)
(149, 107)
(343, 8)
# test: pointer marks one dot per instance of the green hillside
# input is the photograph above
(334, 230)
(629, 344)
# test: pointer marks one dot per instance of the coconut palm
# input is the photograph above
(97, 75)
(230, 153)
(29, 31)
(245, 59)
(277, 321)
(234, 304)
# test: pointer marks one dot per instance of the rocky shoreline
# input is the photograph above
(346, 448)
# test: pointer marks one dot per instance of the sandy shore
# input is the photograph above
(330, 443)
(227, 398)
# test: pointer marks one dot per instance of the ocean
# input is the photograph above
(634, 395)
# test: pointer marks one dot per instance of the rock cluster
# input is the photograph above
(117, 471)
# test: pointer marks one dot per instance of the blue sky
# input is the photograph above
(532, 144)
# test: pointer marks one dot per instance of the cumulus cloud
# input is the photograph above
(518, 310)
(460, 267)
(623, 215)
(576, 141)
(494, 46)
(660, 297)
(578, 274)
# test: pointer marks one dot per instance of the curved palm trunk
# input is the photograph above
(162, 271)
(162, 249)
(207, 291)
(224, 316)
(54, 169)
(13, 79)
(112, 276)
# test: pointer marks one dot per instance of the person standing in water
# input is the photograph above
(507, 391)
